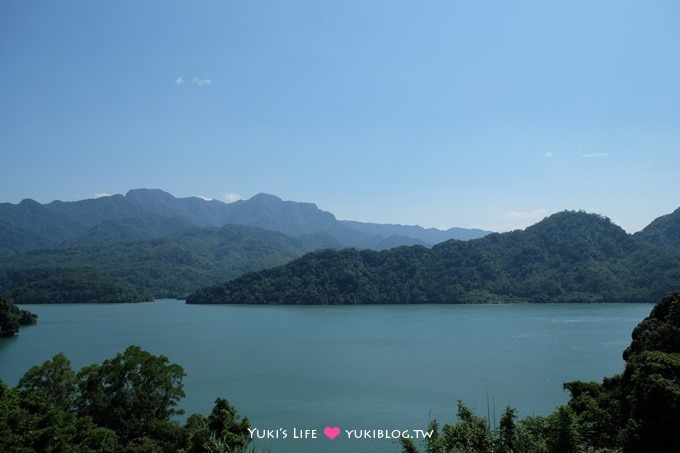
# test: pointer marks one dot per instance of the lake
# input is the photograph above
(300, 369)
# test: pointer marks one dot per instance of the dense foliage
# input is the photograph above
(12, 317)
(165, 267)
(568, 257)
(125, 404)
(636, 411)
(663, 231)
(58, 285)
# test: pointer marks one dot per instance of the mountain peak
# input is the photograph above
(575, 220)
(266, 195)
(663, 231)
(146, 194)
(29, 202)
(262, 197)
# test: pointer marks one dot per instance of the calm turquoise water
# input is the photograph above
(367, 367)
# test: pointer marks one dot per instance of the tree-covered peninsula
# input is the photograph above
(567, 257)
(12, 318)
(59, 285)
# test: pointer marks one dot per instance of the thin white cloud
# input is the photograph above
(204, 198)
(201, 82)
(548, 154)
(179, 81)
(102, 194)
(231, 197)
(589, 155)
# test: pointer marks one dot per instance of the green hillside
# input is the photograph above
(61, 285)
(663, 231)
(568, 257)
(165, 267)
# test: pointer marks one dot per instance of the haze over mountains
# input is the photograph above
(144, 214)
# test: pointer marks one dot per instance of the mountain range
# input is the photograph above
(143, 214)
(149, 244)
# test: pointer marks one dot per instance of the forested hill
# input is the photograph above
(663, 231)
(142, 270)
(567, 257)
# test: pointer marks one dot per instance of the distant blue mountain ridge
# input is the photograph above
(144, 214)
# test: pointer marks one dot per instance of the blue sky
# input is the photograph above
(486, 114)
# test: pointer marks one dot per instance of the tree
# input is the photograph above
(638, 410)
(650, 384)
(222, 431)
(563, 430)
(135, 393)
(598, 408)
(11, 419)
(54, 380)
(198, 433)
(225, 424)
(532, 434)
(433, 442)
(30, 421)
(470, 434)
(652, 380)
(508, 430)
(124, 404)
(9, 320)
(407, 445)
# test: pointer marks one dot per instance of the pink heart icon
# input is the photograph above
(331, 433)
